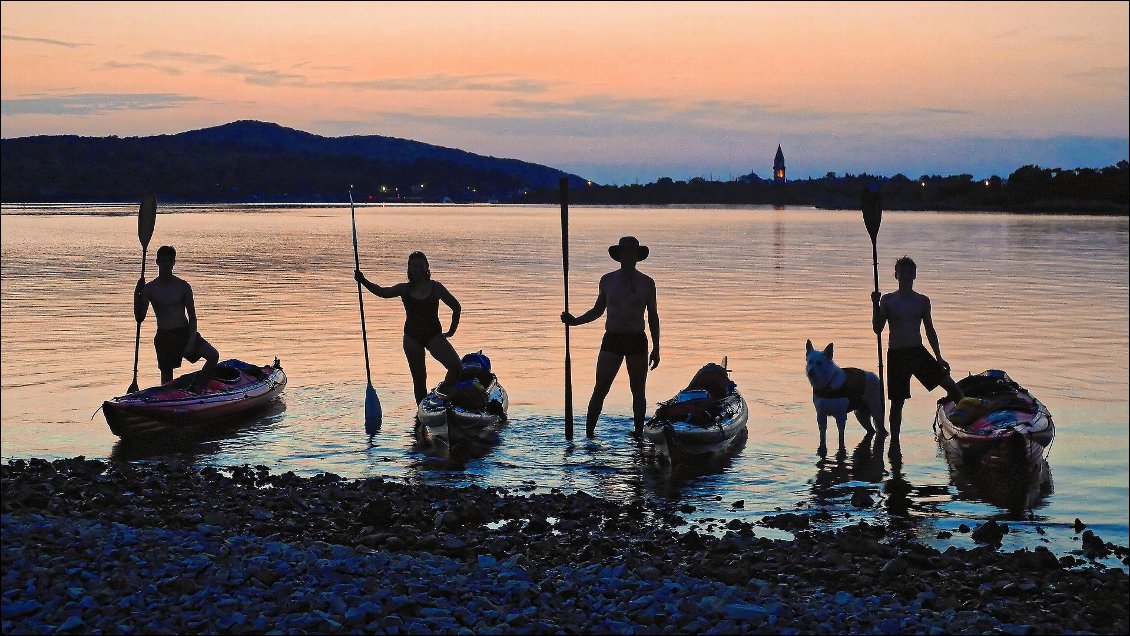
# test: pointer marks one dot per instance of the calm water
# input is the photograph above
(1044, 298)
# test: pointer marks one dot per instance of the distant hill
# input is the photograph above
(253, 161)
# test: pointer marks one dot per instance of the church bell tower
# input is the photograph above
(779, 166)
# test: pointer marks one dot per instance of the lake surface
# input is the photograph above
(1042, 297)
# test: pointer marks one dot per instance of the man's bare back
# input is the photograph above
(626, 298)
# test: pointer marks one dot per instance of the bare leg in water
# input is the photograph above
(607, 365)
(637, 379)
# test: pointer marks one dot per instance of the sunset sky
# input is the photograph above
(616, 93)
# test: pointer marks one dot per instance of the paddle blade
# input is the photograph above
(373, 415)
(872, 203)
(132, 388)
(146, 219)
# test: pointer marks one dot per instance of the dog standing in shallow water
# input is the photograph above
(836, 391)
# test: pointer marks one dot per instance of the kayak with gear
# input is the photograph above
(235, 389)
(708, 416)
(997, 423)
(470, 407)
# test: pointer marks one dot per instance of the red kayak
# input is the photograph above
(235, 389)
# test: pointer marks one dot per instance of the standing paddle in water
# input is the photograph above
(373, 415)
(177, 337)
(564, 187)
(422, 331)
(146, 220)
(625, 293)
(872, 204)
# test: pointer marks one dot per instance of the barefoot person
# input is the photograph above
(625, 293)
(177, 337)
(422, 331)
(907, 311)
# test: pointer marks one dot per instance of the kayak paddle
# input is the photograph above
(372, 404)
(564, 186)
(146, 220)
(872, 216)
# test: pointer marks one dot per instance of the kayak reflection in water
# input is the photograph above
(422, 331)
(173, 305)
(625, 293)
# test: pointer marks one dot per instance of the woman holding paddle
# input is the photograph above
(422, 331)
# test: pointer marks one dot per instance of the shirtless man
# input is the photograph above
(906, 311)
(625, 293)
(177, 336)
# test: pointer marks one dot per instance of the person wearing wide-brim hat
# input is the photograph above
(625, 293)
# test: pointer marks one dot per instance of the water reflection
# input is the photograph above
(839, 481)
(192, 445)
(753, 288)
(670, 480)
(1016, 489)
(451, 457)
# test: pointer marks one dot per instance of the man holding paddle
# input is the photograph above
(173, 305)
(625, 293)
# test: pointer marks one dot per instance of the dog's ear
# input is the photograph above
(808, 346)
(828, 351)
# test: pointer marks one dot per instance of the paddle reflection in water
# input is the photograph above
(838, 480)
(865, 483)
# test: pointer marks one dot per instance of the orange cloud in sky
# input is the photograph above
(621, 72)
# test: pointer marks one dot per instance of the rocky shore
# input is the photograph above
(121, 548)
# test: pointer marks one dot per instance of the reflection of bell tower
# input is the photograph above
(779, 166)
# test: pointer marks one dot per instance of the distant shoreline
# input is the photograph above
(1052, 208)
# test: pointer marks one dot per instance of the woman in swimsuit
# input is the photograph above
(422, 331)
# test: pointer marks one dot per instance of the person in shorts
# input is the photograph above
(626, 293)
(423, 333)
(906, 311)
(177, 338)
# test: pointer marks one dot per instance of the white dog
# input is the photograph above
(837, 391)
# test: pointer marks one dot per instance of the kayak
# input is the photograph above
(706, 417)
(235, 389)
(470, 408)
(998, 423)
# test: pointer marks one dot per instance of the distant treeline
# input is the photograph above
(1028, 189)
(250, 161)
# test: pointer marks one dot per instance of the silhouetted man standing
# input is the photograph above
(625, 293)
(175, 310)
(907, 312)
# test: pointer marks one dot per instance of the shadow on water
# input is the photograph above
(865, 481)
(1018, 490)
(672, 478)
(441, 455)
(191, 446)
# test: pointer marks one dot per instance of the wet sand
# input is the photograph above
(118, 548)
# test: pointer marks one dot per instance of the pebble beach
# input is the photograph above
(136, 548)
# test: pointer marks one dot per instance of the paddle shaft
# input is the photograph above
(360, 297)
(878, 336)
(564, 187)
(137, 337)
(146, 221)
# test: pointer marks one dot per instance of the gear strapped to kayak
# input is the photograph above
(707, 416)
(470, 406)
